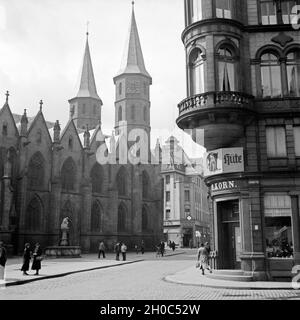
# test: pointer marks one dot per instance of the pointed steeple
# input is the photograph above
(87, 87)
(133, 60)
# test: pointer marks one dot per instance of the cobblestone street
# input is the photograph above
(138, 281)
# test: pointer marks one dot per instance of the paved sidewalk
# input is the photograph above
(193, 276)
(58, 267)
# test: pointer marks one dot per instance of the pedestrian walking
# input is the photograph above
(203, 257)
(3, 259)
(37, 258)
(143, 247)
(173, 246)
(117, 250)
(101, 250)
(123, 251)
(162, 248)
(26, 259)
(136, 248)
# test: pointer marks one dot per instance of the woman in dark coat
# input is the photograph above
(37, 258)
(26, 259)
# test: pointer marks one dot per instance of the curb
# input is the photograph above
(58, 275)
(215, 286)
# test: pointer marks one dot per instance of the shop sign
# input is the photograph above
(224, 185)
(223, 161)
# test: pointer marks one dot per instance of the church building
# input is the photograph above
(48, 173)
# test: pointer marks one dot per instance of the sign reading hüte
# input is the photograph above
(223, 161)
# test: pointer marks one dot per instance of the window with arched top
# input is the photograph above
(227, 68)
(97, 178)
(4, 128)
(2, 160)
(145, 113)
(145, 185)
(293, 73)
(68, 175)
(120, 88)
(36, 171)
(120, 114)
(39, 136)
(70, 143)
(33, 215)
(144, 219)
(96, 217)
(196, 66)
(83, 108)
(270, 76)
(122, 213)
(121, 182)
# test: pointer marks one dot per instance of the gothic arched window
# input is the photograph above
(70, 143)
(196, 64)
(122, 213)
(146, 185)
(227, 68)
(97, 178)
(270, 76)
(2, 160)
(144, 218)
(36, 171)
(33, 215)
(39, 136)
(68, 175)
(96, 217)
(293, 73)
(121, 182)
(4, 128)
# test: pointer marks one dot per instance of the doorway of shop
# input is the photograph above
(229, 235)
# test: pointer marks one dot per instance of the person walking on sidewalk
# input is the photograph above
(117, 250)
(26, 259)
(37, 258)
(3, 258)
(143, 247)
(101, 250)
(123, 251)
(203, 257)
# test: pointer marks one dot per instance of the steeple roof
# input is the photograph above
(133, 60)
(87, 88)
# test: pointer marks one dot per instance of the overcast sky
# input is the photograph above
(42, 46)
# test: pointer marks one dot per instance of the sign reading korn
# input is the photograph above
(223, 161)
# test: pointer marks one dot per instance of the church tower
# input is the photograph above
(85, 108)
(132, 104)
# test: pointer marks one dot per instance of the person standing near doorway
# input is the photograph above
(101, 250)
(143, 247)
(3, 259)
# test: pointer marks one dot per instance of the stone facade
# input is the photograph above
(247, 56)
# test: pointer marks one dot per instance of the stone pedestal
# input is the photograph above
(63, 252)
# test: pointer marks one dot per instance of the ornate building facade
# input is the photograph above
(243, 91)
(48, 173)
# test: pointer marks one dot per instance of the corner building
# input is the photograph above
(243, 92)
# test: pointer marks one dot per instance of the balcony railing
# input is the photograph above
(214, 99)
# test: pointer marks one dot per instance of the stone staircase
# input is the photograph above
(229, 275)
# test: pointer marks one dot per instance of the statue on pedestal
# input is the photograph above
(64, 227)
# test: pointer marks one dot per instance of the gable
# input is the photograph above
(39, 130)
(6, 118)
(70, 133)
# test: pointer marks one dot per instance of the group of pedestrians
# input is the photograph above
(120, 247)
(142, 247)
(37, 257)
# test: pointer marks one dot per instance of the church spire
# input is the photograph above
(87, 88)
(133, 60)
